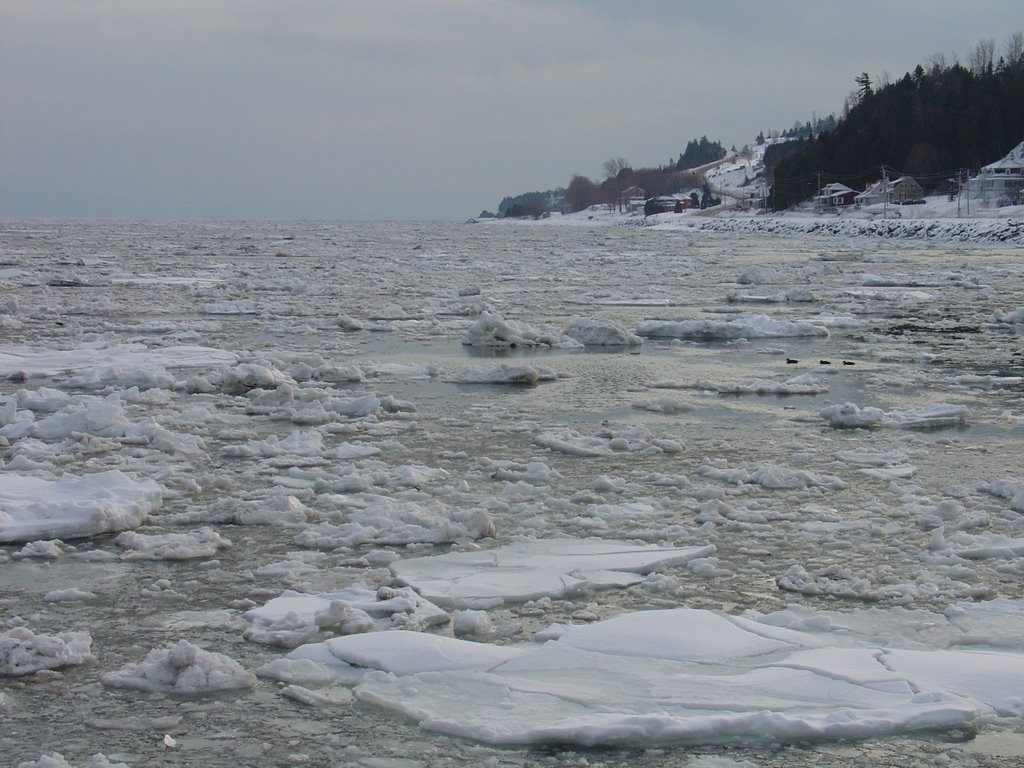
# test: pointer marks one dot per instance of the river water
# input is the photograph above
(911, 325)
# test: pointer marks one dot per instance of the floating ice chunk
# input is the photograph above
(392, 522)
(607, 442)
(531, 570)
(719, 762)
(750, 327)
(34, 361)
(995, 623)
(601, 333)
(841, 582)
(1015, 316)
(56, 760)
(682, 634)
(939, 415)
(504, 374)
(572, 442)
(298, 443)
(990, 678)
(72, 595)
(1012, 490)
(278, 509)
(678, 676)
(471, 622)
(41, 400)
(143, 377)
(852, 416)
(399, 370)
(22, 652)
(317, 698)
(73, 507)
(833, 320)
(894, 472)
(205, 542)
(776, 478)
(45, 550)
(404, 653)
(231, 307)
(347, 323)
(804, 384)
(985, 546)
(246, 376)
(182, 668)
(89, 415)
(294, 618)
(664, 405)
(771, 476)
(298, 671)
(758, 275)
(867, 458)
(930, 417)
(489, 330)
(533, 472)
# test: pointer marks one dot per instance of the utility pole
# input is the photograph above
(885, 192)
(967, 176)
(959, 190)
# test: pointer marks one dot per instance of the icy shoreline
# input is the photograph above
(995, 230)
(933, 222)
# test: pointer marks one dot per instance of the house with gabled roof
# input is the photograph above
(834, 196)
(1001, 182)
(899, 191)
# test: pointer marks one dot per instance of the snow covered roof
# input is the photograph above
(1013, 161)
(835, 188)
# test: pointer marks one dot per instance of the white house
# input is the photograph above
(1002, 182)
(833, 196)
(901, 190)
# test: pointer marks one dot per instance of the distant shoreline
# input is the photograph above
(929, 225)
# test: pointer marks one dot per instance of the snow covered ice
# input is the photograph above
(411, 494)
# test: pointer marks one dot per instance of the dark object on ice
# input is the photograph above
(847, 362)
(791, 361)
(824, 362)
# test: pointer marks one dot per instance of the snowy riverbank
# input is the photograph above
(935, 220)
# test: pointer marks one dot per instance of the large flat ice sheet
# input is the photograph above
(531, 570)
(73, 506)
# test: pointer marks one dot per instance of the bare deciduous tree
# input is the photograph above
(981, 57)
(614, 166)
(1013, 51)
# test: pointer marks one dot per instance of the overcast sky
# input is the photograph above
(415, 108)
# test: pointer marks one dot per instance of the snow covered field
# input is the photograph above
(416, 494)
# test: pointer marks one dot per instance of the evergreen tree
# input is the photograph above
(928, 125)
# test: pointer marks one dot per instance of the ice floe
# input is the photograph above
(57, 760)
(804, 384)
(530, 570)
(606, 442)
(490, 330)
(682, 675)
(73, 506)
(385, 521)
(23, 652)
(751, 327)
(34, 361)
(504, 374)
(592, 332)
(294, 618)
(182, 668)
(205, 542)
(1015, 316)
(937, 416)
